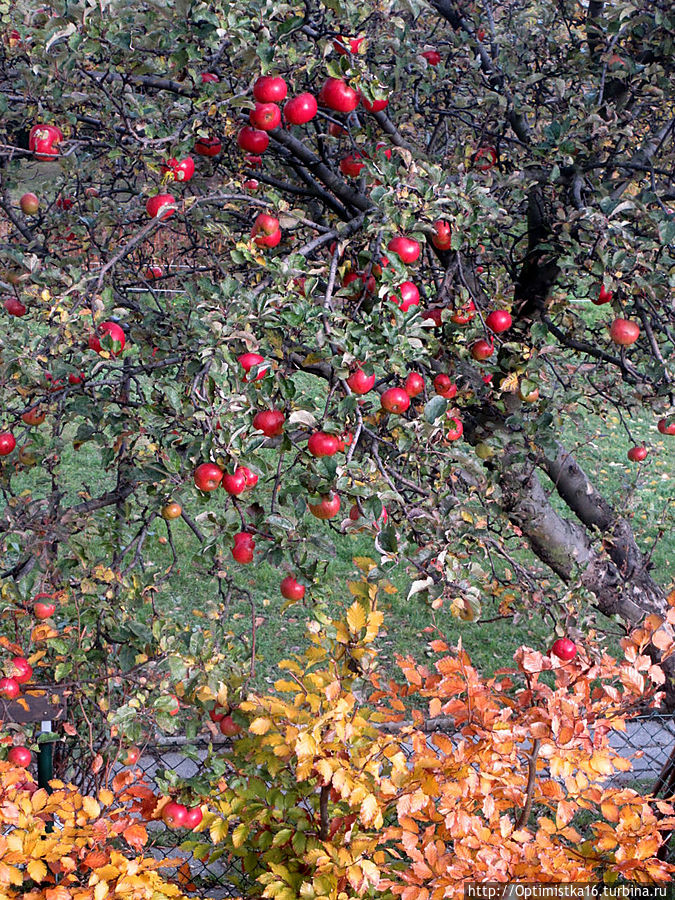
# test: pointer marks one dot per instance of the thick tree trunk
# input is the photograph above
(614, 572)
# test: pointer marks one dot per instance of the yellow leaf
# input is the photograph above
(101, 890)
(106, 797)
(261, 725)
(365, 563)
(356, 617)
(36, 869)
(91, 807)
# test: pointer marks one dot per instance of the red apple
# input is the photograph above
(407, 249)
(34, 416)
(208, 146)
(266, 231)
(21, 669)
(161, 206)
(433, 57)
(7, 443)
(252, 140)
(153, 272)
(218, 713)
(269, 421)
(414, 384)
(395, 400)
(336, 94)
(76, 379)
(464, 314)
(455, 432)
(485, 158)
(266, 116)
(346, 45)
(209, 77)
(132, 756)
(250, 477)
(14, 307)
(292, 589)
(29, 204)
(270, 89)
(64, 202)
(481, 349)
(234, 483)
(229, 727)
(564, 649)
(42, 609)
(43, 140)
(336, 130)
(604, 296)
(444, 386)
(368, 283)
(207, 476)
(9, 688)
(20, 756)
(322, 444)
(499, 320)
(624, 332)
(174, 814)
(409, 296)
(374, 106)
(250, 361)
(194, 817)
(300, 109)
(243, 548)
(350, 165)
(361, 383)
(637, 454)
(327, 507)
(442, 236)
(180, 171)
(116, 334)
(666, 426)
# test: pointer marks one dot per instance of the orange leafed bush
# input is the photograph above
(65, 846)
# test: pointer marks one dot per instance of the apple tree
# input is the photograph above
(273, 271)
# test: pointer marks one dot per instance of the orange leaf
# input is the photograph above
(136, 836)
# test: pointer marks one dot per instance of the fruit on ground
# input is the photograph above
(7, 443)
(361, 383)
(322, 444)
(116, 335)
(444, 386)
(270, 89)
(624, 332)
(499, 320)
(327, 507)
(20, 756)
(9, 688)
(208, 476)
(407, 249)
(161, 206)
(395, 400)
(637, 454)
(414, 384)
(301, 109)
(29, 204)
(171, 510)
(564, 649)
(243, 548)
(269, 421)
(174, 814)
(292, 589)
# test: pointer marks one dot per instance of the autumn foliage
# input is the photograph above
(507, 778)
(65, 846)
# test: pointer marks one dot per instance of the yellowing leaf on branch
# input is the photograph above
(356, 617)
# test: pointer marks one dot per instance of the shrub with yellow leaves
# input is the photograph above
(66, 846)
